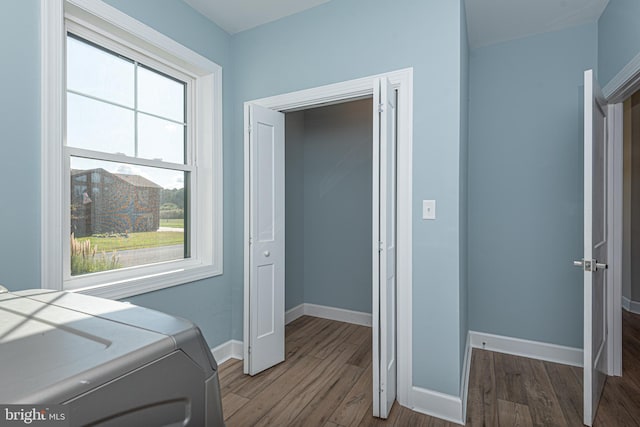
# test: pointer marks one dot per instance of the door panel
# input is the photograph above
(265, 308)
(266, 255)
(384, 307)
(265, 174)
(595, 245)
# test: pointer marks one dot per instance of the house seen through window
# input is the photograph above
(127, 133)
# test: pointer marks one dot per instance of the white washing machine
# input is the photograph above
(111, 363)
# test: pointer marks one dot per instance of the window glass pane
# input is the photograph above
(160, 139)
(95, 125)
(125, 215)
(160, 95)
(98, 73)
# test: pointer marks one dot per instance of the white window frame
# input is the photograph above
(93, 19)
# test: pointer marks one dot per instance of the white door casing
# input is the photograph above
(384, 253)
(266, 253)
(595, 244)
(620, 87)
(402, 81)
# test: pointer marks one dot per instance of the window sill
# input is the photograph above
(150, 283)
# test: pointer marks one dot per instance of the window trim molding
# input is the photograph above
(207, 123)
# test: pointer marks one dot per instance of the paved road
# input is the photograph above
(134, 257)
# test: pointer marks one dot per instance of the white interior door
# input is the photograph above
(384, 256)
(595, 245)
(266, 254)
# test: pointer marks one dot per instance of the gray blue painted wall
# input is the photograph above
(20, 164)
(205, 302)
(348, 39)
(337, 205)
(294, 210)
(618, 37)
(525, 185)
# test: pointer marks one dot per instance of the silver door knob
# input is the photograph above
(267, 254)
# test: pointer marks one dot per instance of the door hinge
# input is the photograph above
(381, 108)
(249, 350)
(250, 241)
(380, 246)
(249, 129)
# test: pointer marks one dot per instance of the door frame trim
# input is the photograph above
(402, 81)
(621, 87)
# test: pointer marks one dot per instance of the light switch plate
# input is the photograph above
(428, 209)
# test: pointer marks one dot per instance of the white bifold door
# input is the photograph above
(265, 266)
(384, 252)
(266, 246)
(594, 262)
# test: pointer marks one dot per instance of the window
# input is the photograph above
(135, 153)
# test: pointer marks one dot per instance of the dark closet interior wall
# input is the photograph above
(631, 289)
(328, 206)
(294, 209)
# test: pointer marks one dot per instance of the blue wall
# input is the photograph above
(346, 39)
(294, 210)
(205, 302)
(337, 205)
(20, 164)
(328, 206)
(618, 37)
(525, 185)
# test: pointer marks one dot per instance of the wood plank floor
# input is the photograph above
(326, 381)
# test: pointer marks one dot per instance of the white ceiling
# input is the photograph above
(238, 15)
(493, 21)
(488, 21)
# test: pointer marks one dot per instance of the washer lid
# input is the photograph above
(50, 353)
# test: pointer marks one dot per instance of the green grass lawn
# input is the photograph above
(149, 239)
(173, 223)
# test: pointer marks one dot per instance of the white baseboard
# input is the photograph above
(445, 406)
(532, 349)
(294, 313)
(231, 349)
(331, 313)
(439, 405)
(630, 305)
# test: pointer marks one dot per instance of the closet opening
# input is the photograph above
(324, 245)
(328, 221)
